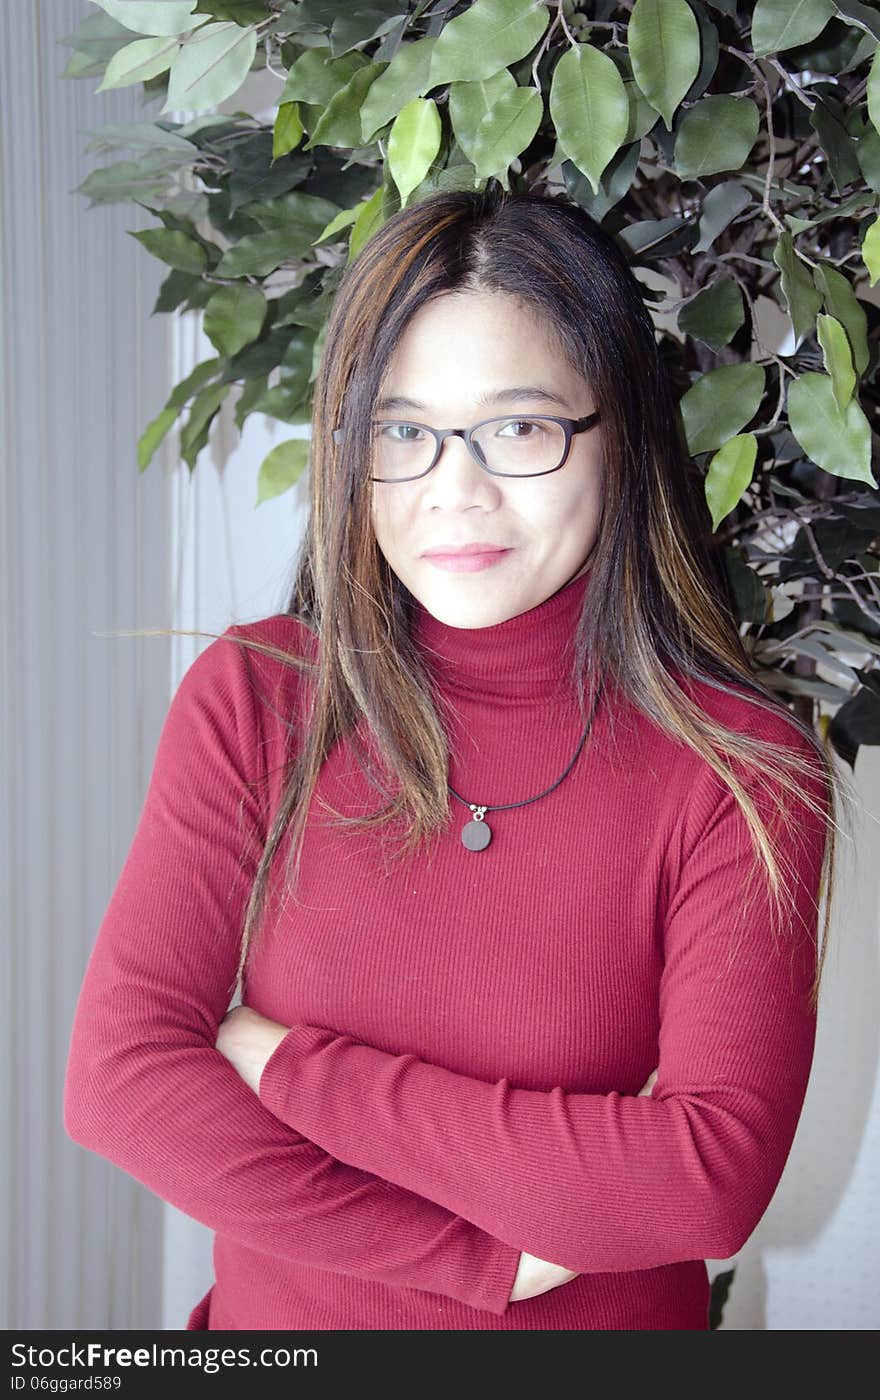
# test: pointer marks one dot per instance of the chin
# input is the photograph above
(470, 618)
(481, 609)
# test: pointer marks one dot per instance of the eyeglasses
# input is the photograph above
(404, 451)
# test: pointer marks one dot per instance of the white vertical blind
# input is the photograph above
(83, 551)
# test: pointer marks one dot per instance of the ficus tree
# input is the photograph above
(733, 148)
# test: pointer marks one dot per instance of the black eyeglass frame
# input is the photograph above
(570, 426)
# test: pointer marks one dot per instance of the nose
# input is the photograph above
(457, 481)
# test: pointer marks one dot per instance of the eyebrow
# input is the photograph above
(511, 395)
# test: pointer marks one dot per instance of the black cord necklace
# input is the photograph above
(476, 834)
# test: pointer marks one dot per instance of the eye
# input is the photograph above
(533, 428)
(400, 432)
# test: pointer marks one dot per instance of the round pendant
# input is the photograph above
(476, 835)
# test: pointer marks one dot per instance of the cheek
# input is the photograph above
(384, 519)
(563, 509)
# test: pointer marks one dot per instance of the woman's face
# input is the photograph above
(459, 354)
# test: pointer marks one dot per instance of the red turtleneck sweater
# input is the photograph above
(470, 1030)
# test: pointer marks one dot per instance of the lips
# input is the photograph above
(462, 550)
(466, 558)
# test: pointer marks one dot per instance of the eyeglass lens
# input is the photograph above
(515, 446)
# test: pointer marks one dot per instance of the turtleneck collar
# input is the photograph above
(523, 658)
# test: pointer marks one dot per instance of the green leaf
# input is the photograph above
(828, 120)
(307, 304)
(783, 24)
(361, 22)
(296, 363)
(302, 216)
(642, 116)
(716, 134)
(868, 156)
(284, 403)
(127, 179)
(874, 90)
(189, 203)
(405, 77)
(247, 400)
(413, 142)
(853, 204)
(242, 11)
(801, 299)
(175, 290)
(79, 65)
(842, 303)
(182, 287)
(194, 433)
(710, 49)
(590, 109)
(152, 435)
(287, 131)
(715, 314)
(489, 35)
(720, 403)
(234, 317)
(176, 249)
(256, 255)
(143, 136)
(664, 46)
(336, 224)
(720, 207)
(318, 349)
(369, 219)
(184, 391)
(315, 77)
(506, 131)
(839, 443)
(210, 66)
(838, 359)
(751, 599)
(153, 16)
(186, 388)
(282, 468)
(143, 59)
(260, 357)
(871, 250)
(658, 238)
(855, 13)
(94, 43)
(617, 180)
(730, 472)
(457, 174)
(469, 103)
(340, 122)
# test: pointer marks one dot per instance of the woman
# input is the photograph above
(517, 861)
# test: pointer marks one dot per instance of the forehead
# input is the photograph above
(474, 347)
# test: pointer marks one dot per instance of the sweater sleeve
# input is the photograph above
(145, 1085)
(605, 1182)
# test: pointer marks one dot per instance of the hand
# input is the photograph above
(647, 1086)
(535, 1276)
(248, 1040)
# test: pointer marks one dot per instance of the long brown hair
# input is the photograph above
(665, 611)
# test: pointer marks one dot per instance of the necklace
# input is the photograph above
(476, 834)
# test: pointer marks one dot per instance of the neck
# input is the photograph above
(526, 657)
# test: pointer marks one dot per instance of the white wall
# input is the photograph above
(814, 1261)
